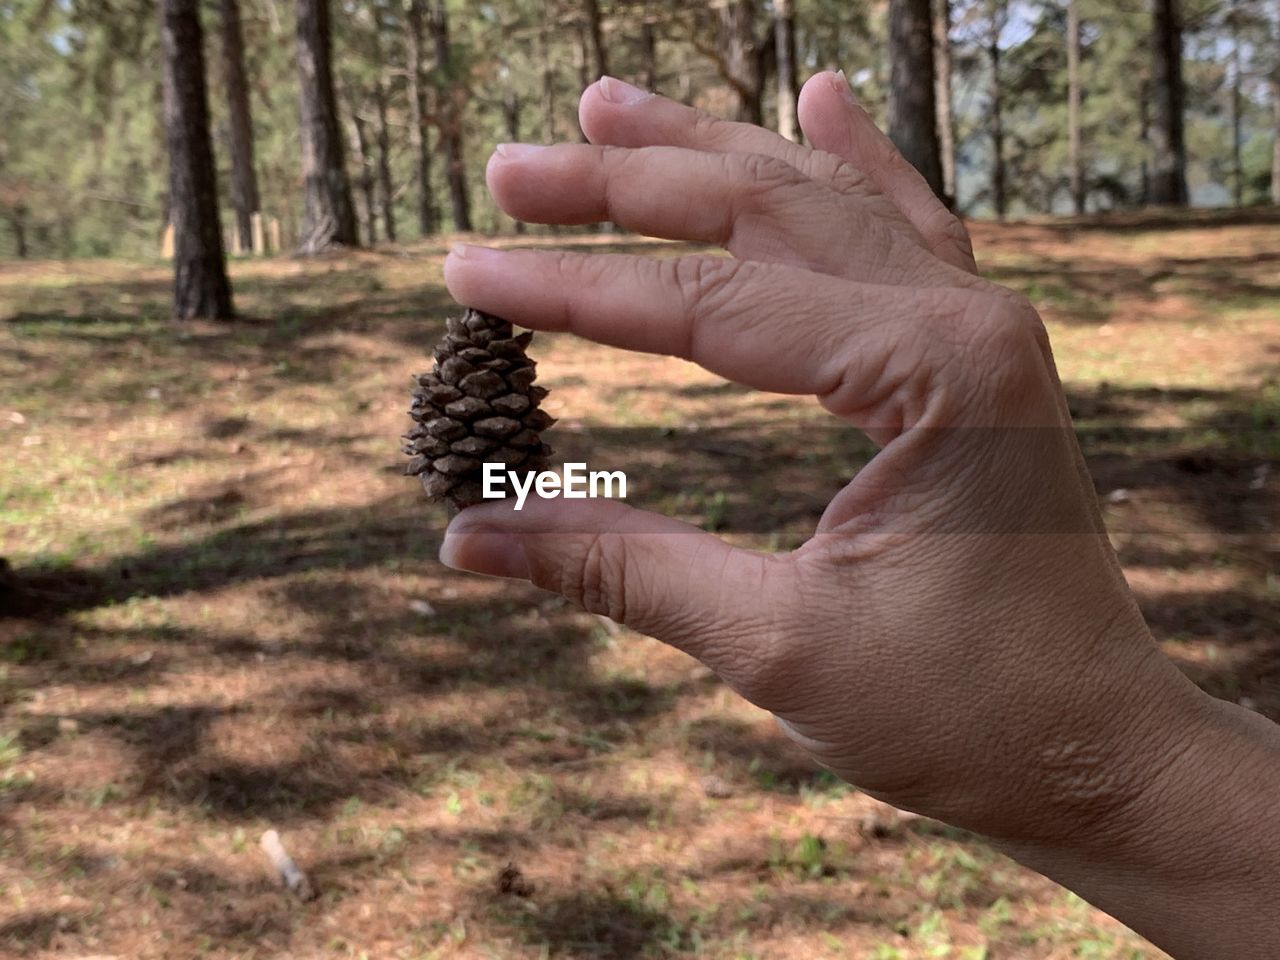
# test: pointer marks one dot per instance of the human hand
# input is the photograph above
(959, 619)
(957, 638)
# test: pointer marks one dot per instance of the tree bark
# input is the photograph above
(511, 115)
(1275, 142)
(739, 60)
(200, 284)
(366, 206)
(784, 36)
(1075, 159)
(942, 98)
(595, 31)
(1237, 103)
(328, 216)
(244, 177)
(913, 123)
(1144, 136)
(18, 224)
(582, 59)
(1275, 108)
(548, 78)
(418, 136)
(386, 189)
(1168, 146)
(999, 201)
(450, 119)
(648, 51)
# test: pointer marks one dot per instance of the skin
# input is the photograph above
(957, 638)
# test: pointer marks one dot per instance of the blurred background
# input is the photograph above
(1043, 106)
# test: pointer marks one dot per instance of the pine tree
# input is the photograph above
(415, 66)
(784, 32)
(1168, 184)
(452, 94)
(913, 120)
(200, 285)
(1075, 159)
(942, 60)
(244, 176)
(329, 217)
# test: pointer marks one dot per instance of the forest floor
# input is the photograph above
(224, 614)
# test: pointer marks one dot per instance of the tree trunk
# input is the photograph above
(18, 224)
(942, 98)
(328, 217)
(418, 138)
(1169, 151)
(548, 78)
(1275, 142)
(648, 51)
(1275, 110)
(1237, 103)
(511, 114)
(784, 37)
(913, 115)
(581, 59)
(1075, 160)
(386, 189)
(200, 273)
(1144, 136)
(450, 119)
(595, 31)
(739, 58)
(244, 177)
(999, 201)
(366, 206)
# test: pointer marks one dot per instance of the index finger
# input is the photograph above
(852, 155)
(617, 114)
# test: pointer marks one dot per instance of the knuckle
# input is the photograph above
(1008, 333)
(575, 273)
(707, 128)
(948, 230)
(597, 582)
(844, 177)
(707, 285)
(759, 173)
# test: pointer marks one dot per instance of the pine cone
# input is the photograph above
(478, 405)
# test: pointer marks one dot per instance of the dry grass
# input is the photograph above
(215, 625)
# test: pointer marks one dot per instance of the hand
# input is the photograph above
(957, 638)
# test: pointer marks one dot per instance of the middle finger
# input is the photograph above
(757, 207)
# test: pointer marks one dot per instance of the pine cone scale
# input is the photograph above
(479, 404)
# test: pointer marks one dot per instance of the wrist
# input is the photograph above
(1194, 848)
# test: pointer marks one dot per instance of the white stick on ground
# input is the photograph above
(295, 880)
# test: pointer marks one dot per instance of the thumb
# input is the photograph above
(657, 575)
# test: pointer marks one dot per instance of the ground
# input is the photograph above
(223, 614)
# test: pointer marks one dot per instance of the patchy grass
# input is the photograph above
(224, 614)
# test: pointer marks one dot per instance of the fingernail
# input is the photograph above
(517, 151)
(841, 83)
(619, 91)
(490, 552)
(469, 251)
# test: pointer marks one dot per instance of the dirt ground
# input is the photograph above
(222, 614)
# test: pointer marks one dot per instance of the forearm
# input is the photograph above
(1193, 864)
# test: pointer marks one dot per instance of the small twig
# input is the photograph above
(294, 880)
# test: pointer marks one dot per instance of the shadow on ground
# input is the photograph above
(387, 701)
